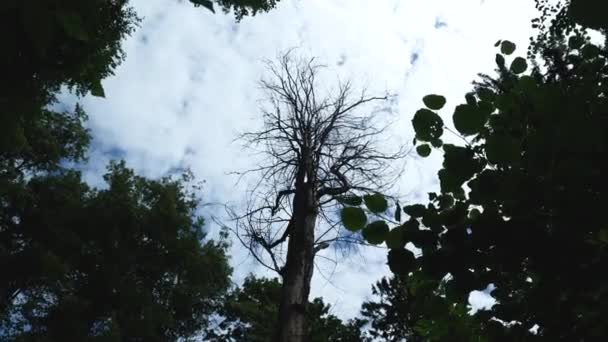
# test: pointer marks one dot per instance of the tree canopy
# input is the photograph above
(250, 312)
(120, 264)
(521, 200)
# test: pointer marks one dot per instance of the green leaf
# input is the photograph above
(376, 203)
(437, 143)
(502, 149)
(415, 210)
(401, 261)
(474, 214)
(486, 107)
(470, 98)
(72, 24)
(576, 42)
(353, 218)
(469, 119)
(434, 102)
(497, 43)
(427, 125)
(395, 238)
(397, 212)
(349, 200)
(590, 51)
(205, 3)
(485, 94)
(500, 60)
(507, 47)
(423, 150)
(38, 25)
(97, 89)
(375, 232)
(519, 65)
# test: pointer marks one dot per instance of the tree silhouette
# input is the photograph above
(318, 151)
(249, 313)
(530, 218)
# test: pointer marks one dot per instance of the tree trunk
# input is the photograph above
(297, 273)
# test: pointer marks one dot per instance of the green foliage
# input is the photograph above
(241, 8)
(530, 219)
(415, 210)
(248, 313)
(434, 102)
(120, 263)
(469, 119)
(376, 203)
(349, 200)
(507, 47)
(427, 125)
(375, 232)
(401, 261)
(407, 309)
(423, 150)
(519, 65)
(354, 219)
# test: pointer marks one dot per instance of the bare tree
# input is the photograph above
(315, 148)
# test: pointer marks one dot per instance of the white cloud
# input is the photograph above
(188, 86)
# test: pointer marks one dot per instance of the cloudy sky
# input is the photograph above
(188, 86)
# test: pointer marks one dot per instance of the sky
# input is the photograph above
(189, 85)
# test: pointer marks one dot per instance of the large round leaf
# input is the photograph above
(396, 238)
(415, 210)
(401, 261)
(428, 125)
(469, 119)
(519, 65)
(507, 47)
(434, 102)
(375, 232)
(423, 150)
(376, 203)
(353, 218)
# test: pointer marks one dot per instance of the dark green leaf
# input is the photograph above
(507, 47)
(497, 43)
(434, 102)
(437, 143)
(500, 60)
(502, 149)
(72, 25)
(97, 89)
(427, 125)
(376, 203)
(485, 94)
(353, 218)
(470, 98)
(349, 200)
(205, 3)
(423, 150)
(590, 51)
(469, 119)
(519, 65)
(474, 214)
(397, 212)
(576, 42)
(401, 261)
(375, 232)
(415, 210)
(395, 238)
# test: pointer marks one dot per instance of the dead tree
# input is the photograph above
(315, 148)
